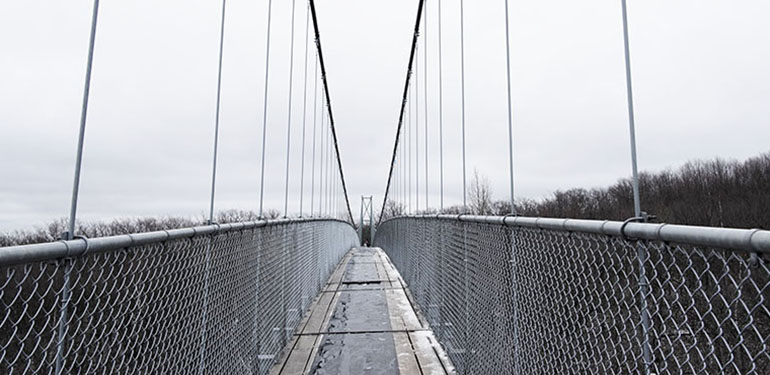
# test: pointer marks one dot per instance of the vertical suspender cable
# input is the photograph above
(304, 116)
(325, 169)
(264, 110)
(322, 154)
(417, 135)
(83, 116)
(328, 170)
(216, 117)
(440, 112)
(288, 125)
(462, 88)
(315, 132)
(330, 176)
(510, 112)
(631, 123)
(409, 146)
(425, 92)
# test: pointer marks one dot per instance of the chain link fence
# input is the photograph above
(220, 299)
(513, 295)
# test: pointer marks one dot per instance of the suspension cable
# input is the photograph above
(631, 121)
(510, 113)
(322, 155)
(409, 144)
(216, 116)
(82, 132)
(288, 125)
(425, 93)
(315, 132)
(462, 89)
(304, 115)
(440, 113)
(264, 110)
(328, 101)
(403, 105)
(416, 92)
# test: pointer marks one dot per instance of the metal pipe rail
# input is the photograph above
(15, 255)
(751, 240)
(524, 295)
(209, 299)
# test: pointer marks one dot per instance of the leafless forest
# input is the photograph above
(53, 231)
(713, 192)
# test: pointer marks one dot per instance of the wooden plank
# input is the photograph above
(402, 316)
(407, 362)
(300, 355)
(336, 276)
(318, 313)
(429, 353)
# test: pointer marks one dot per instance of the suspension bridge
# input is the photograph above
(437, 293)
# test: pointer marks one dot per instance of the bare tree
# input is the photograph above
(393, 209)
(480, 195)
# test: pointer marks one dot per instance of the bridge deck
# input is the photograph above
(364, 323)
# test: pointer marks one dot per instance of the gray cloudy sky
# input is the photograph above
(700, 72)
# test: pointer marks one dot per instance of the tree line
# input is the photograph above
(715, 192)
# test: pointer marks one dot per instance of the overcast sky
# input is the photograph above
(701, 86)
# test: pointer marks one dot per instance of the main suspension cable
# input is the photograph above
(329, 108)
(403, 105)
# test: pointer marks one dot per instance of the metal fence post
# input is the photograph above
(257, 322)
(466, 286)
(204, 319)
(645, 314)
(442, 289)
(63, 316)
(514, 307)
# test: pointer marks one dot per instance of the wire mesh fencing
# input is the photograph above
(208, 300)
(510, 295)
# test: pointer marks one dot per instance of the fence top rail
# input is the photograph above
(750, 240)
(22, 254)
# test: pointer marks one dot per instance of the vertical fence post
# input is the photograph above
(466, 286)
(283, 285)
(257, 322)
(204, 319)
(63, 316)
(514, 303)
(645, 315)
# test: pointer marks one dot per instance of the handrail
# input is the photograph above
(21, 254)
(749, 240)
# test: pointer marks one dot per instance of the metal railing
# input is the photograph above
(217, 299)
(556, 296)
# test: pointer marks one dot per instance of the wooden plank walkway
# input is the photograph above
(364, 323)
